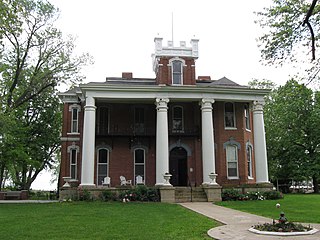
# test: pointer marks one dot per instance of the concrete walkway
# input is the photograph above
(236, 223)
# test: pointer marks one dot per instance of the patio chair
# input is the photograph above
(106, 181)
(139, 180)
(124, 182)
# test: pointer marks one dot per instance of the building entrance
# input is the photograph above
(178, 166)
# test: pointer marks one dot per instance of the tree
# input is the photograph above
(292, 33)
(292, 117)
(35, 58)
(261, 84)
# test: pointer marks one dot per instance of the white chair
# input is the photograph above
(139, 180)
(106, 181)
(124, 182)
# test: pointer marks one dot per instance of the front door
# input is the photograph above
(178, 166)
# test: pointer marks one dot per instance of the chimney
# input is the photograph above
(127, 75)
(204, 78)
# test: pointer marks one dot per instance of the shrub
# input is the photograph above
(108, 195)
(140, 193)
(272, 195)
(85, 195)
(231, 195)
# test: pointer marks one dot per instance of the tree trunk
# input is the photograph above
(315, 184)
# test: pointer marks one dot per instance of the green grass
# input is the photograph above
(99, 220)
(297, 207)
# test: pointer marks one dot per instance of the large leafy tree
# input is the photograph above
(35, 58)
(292, 119)
(291, 35)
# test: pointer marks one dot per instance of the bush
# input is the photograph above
(231, 195)
(272, 195)
(85, 195)
(235, 195)
(108, 195)
(140, 193)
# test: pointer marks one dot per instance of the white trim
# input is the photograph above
(102, 164)
(237, 160)
(139, 164)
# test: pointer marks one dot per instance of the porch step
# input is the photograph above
(188, 194)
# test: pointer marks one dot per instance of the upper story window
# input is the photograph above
(103, 120)
(229, 115)
(177, 72)
(232, 161)
(247, 116)
(177, 119)
(139, 120)
(74, 109)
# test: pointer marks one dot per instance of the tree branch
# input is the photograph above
(306, 21)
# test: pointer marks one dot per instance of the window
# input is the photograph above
(73, 163)
(139, 120)
(232, 161)
(177, 72)
(249, 161)
(139, 163)
(103, 121)
(247, 116)
(177, 119)
(102, 165)
(74, 121)
(229, 115)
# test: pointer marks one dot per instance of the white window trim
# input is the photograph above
(139, 164)
(183, 64)
(71, 108)
(69, 150)
(247, 117)
(98, 164)
(249, 145)
(237, 157)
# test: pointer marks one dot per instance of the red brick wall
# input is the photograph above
(121, 156)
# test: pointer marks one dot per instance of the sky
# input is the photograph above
(119, 35)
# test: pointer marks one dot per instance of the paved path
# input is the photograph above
(236, 223)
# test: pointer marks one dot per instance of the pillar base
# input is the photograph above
(213, 192)
(167, 194)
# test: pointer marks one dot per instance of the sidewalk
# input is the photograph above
(237, 223)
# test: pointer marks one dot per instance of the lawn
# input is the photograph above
(297, 207)
(100, 220)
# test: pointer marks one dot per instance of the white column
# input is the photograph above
(87, 168)
(260, 148)
(162, 142)
(208, 158)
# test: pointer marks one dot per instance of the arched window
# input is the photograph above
(177, 77)
(247, 116)
(102, 165)
(249, 161)
(229, 115)
(74, 109)
(177, 119)
(139, 163)
(232, 161)
(73, 151)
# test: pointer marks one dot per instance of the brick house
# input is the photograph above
(175, 122)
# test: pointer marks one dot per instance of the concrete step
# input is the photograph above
(188, 194)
